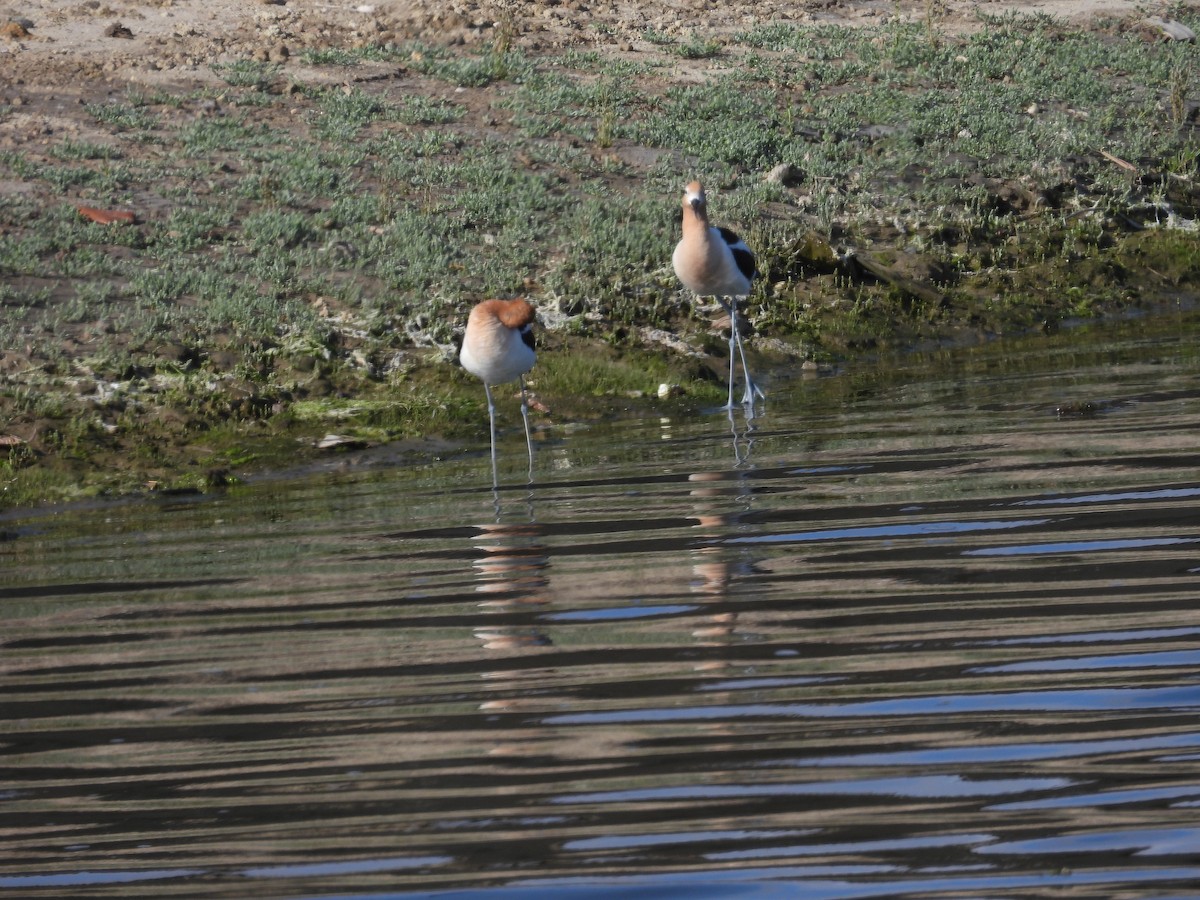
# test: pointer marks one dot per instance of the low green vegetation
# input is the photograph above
(307, 242)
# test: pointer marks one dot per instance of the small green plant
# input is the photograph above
(420, 110)
(79, 150)
(193, 226)
(105, 180)
(500, 63)
(248, 73)
(699, 48)
(346, 111)
(122, 116)
(139, 97)
(658, 38)
(213, 133)
(331, 56)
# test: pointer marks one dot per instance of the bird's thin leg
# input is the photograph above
(492, 426)
(525, 418)
(729, 402)
(752, 389)
(732, 358)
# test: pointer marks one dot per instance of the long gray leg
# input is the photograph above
(752, 389)
(732, 358)
(492, 425)
(525, 418)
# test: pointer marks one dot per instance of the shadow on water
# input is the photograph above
(917, 630)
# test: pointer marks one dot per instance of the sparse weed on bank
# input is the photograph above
(308, 242)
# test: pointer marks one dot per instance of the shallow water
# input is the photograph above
(927, 627)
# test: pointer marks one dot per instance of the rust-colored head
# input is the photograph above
(514, 314)
(498, 344)
(695, 205)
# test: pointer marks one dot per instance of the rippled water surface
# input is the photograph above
(926, 628)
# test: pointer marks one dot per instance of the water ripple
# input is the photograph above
(826, 652)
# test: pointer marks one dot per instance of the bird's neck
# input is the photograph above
(695, 226)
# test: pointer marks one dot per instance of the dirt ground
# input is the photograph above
(71, 47)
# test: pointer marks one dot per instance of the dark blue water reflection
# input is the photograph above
(909, 633)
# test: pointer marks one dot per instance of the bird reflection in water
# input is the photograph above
(719, 500)
(511, 573)
(511, 567)
(743, 438)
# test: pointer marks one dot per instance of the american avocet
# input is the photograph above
(498, 348)
(715, 262)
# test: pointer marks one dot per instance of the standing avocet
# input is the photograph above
(715, 262)
(498, 348)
